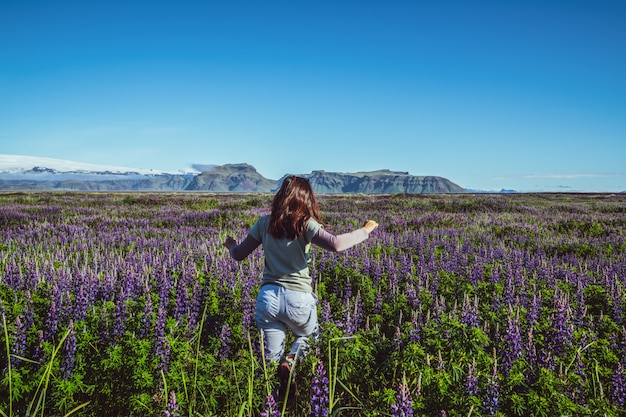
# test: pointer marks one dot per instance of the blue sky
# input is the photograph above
(525, 95)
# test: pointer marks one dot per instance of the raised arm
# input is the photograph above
(240, 251)
(339, 243)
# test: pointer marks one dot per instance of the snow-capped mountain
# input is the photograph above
(21, 164)
(24, 173)
(18, 172)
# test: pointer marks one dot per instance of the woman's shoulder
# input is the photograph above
(264, 221)
(259, 228)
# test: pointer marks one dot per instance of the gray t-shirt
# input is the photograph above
(286, 261)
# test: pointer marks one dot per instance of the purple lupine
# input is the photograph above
(326, 313)
(248, 312)
(80, 304)
(509, 290)
(530, 350)
(347, 291)
(171, 410)
(52, 319)
(119, 326)
(578, 392)
(271, 408)
(224, 349)
(416, 327)
(19, 341)
(161, 346)
(146, 317)
(194, 308)
(403, 407)
(491, 400)
(533, 308)
(512, 349)
(495, 274)
(69, 350)
(469, 312)
(581, 307)
(411, 295)
(320, 392)
(3, 313)
(353, 319)
(471, 380)
(29, 311)
(618, 385)
(476, 274)
(39, 354)
(618, 308)
(562, 333)
(12, 275)
(378, 304)
(397, 339)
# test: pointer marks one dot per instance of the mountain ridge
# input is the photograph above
(53, 174)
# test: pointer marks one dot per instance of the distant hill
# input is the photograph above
(379, 182)
(31, 173)
(232, 178)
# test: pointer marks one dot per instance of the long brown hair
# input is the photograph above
(293, 205)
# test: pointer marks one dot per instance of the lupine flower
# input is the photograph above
(379, 302)
(512, 342)
(119, 326)
(416, 328)
(530, 350)
(618, 384)
(578, 391)
(194, 308)
(469, 312)
(561, 335)
(495, 275)
(225, 342)
(248, 312)
(3, 314)
(38, 354)
(533, 309)
(271, 409)
(19, 341)
(171, 410)
(146, 317)
(180, 305)
(326, 314)
(411, 296)
(320, 392)
(69, 350)
(471, 380)
(403, 407)
(52, 319)
(476, 274)
(80, 304)
(161, 346)
(491, 400)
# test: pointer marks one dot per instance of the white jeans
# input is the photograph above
(279, 309)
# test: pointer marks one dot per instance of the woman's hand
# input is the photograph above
(370, 225)
(229, 242)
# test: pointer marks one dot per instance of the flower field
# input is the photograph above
(126, 304)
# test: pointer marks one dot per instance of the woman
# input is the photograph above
(286, 299)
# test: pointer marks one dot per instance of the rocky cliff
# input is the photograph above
(379, 182)
(232, 178)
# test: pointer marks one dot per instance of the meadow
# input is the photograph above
(126, 304)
